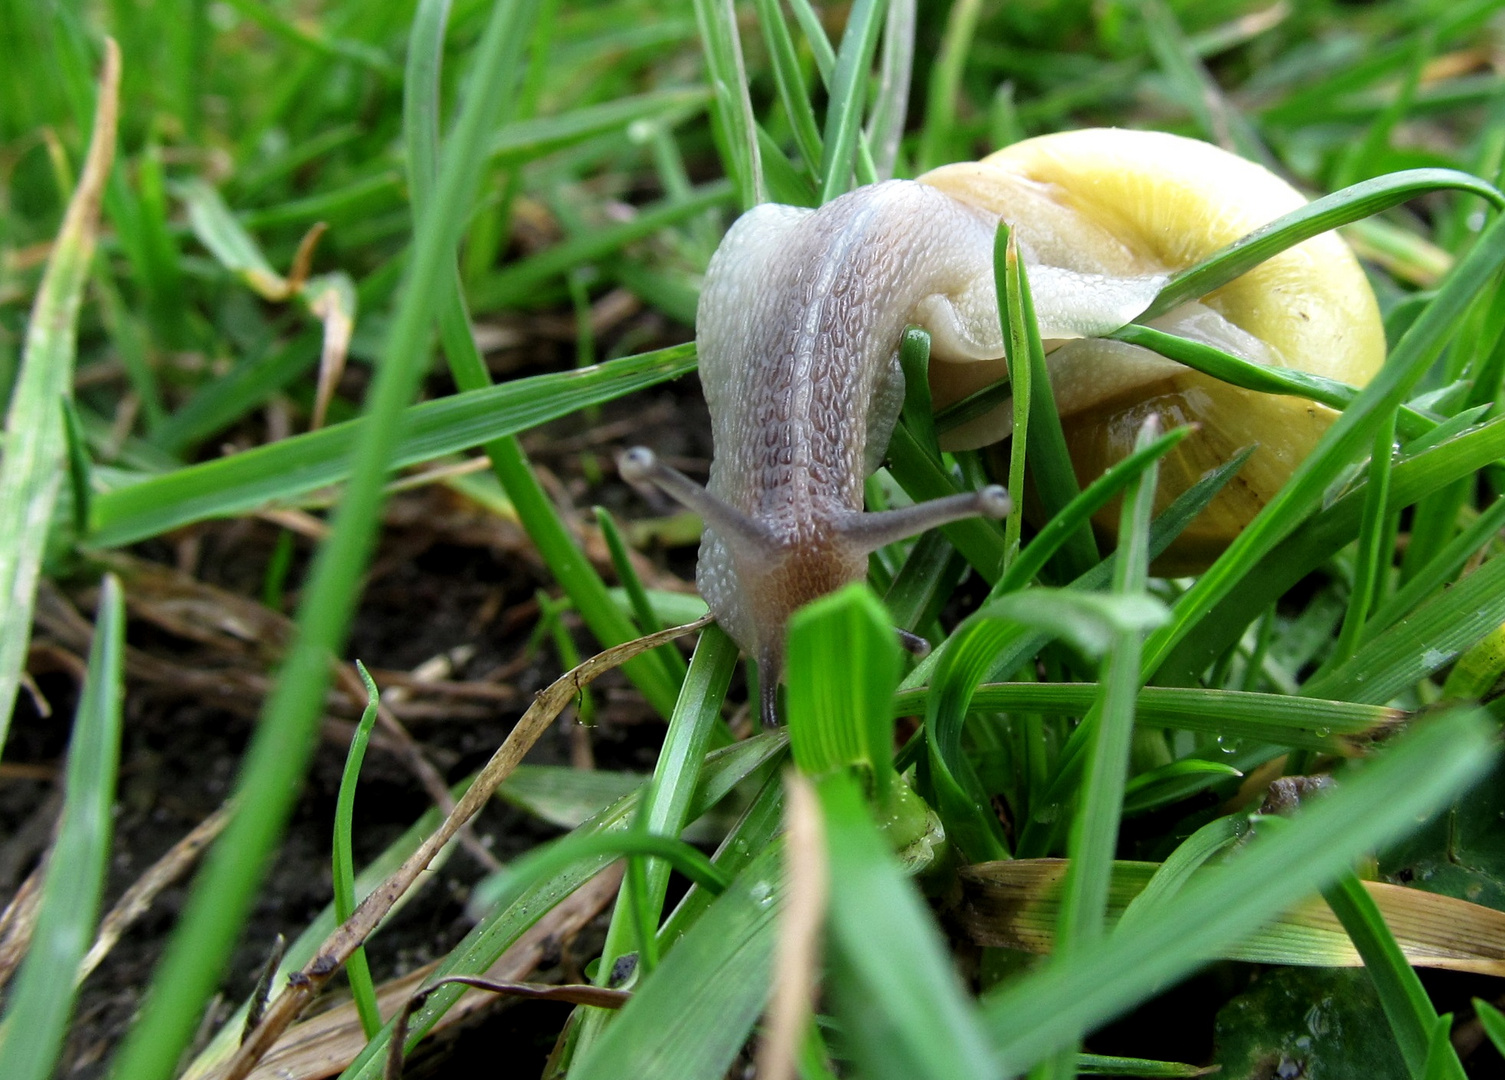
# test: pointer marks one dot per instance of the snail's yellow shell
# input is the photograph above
(1127, 203)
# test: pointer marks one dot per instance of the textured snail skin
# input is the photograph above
(802, 312)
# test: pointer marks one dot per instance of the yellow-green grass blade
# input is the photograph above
(36, 1017)
(33, 456)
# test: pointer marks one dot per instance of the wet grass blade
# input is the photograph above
(41, 1002)
(33, 452)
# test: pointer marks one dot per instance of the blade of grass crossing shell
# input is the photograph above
(664, 811)
(1034, 1016)
(1078, 513)
(1094, 830)
(1266, 379)
(37, 1014)
(1407, 1007)
(1321, 538)
(848, 98)
(690, 1019)
(843, 666)
(731, 108)
(1008, 280)
(1319, 216)
(280, 749)
(34, 443)
(343, 858)
(568, 564)
(1352, 430)
(895, 987)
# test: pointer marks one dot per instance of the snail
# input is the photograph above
(802, 312)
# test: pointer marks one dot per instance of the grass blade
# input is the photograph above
(848, 97)
(1407, 1007)
(343, 859)
(33, 452)
(1340, 208)
(305, 463)
(279, 752)
(36, 1017)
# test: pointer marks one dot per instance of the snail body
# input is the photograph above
(800, 319)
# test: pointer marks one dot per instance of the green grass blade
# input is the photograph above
(1094, 830)
(1312, 723)
(1493, 1022)
(848, 89)
(33, 449)
(731, 108)
(513, 471)
(1039, 1014)
(343, 860)
(1267, 380)
(1327, 533)
(843, 666)
(1078, 513)
(1340, 208)
(302, 464)
(1010, 282)
(665, 810)
(41, 1002)
(895, 988)
(1190, 855)
(279, 752)
(789, 78)
(1407, 1007)
(1427, 640)
(691, 1017)
(1339, 445)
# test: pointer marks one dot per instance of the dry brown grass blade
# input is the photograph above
(326, 1044)
(797, 962)
(337, 948)
(1014, 904)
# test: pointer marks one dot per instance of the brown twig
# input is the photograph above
(346, 938)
